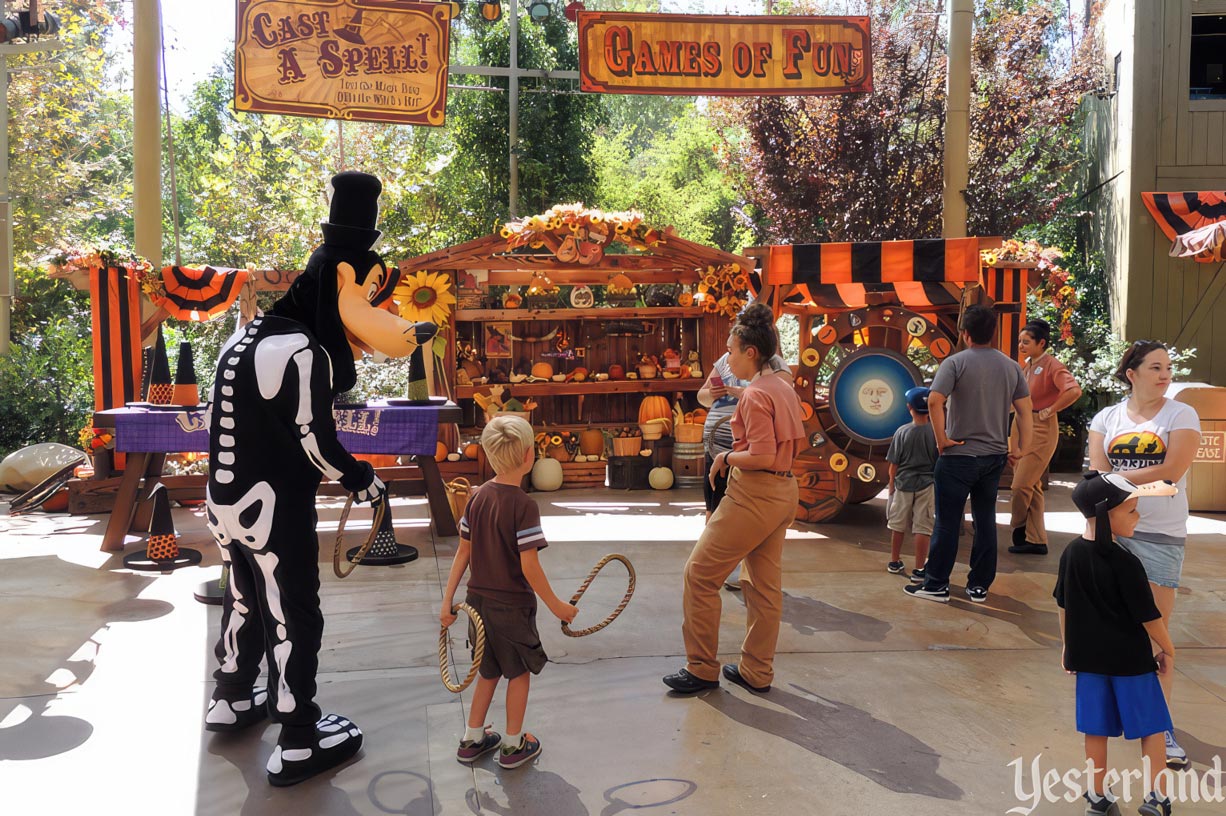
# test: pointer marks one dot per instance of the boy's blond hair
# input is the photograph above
(506, 440)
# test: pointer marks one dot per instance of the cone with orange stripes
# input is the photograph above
(162, 551)
(186, 391)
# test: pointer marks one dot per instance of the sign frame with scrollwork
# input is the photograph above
(356, 60)
(724, 55)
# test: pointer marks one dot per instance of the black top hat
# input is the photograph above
(353, 211)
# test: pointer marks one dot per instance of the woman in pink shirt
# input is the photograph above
(750, 523)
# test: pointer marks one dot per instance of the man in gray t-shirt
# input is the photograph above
(981, 387)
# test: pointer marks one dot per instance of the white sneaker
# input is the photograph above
(1176, 757)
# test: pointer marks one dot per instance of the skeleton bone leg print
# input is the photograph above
(273, 438)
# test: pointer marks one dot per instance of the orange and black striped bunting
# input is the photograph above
(1178, 213)
(936, 260)
(115, 297)
(199, 294)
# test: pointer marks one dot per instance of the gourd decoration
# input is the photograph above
(591, 442)
(440, 452)
(471, 450)
(617, 372)
(660, 478)
(656, 407)
(543, 371)
(547, 474)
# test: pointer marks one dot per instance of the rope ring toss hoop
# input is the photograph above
(601, 564)
(444, 663)
(380, 509)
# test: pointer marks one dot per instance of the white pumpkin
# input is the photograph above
(453, 457)
(547, 474)
(579, 457)
(660, 478)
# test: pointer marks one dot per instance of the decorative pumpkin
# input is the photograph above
(547, 474)
(656, 407)
(660, 478)
(591, 441)
(700, 416)
(440, 452)
(685, 299)
(453, 457)
(471, 450)
(542, 370)
(617, 372)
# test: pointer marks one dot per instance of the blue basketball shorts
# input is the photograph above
(1110, 706)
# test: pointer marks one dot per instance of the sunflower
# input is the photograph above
(424, 296)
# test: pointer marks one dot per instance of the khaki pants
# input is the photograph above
(749, 525)
(1026, 491)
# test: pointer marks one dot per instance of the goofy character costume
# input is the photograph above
(272, 438)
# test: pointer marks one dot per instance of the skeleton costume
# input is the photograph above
(272, 439)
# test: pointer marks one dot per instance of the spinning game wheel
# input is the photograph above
(851, 381)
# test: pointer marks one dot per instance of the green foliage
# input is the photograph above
(46, 381)
(676, 181)
(70, 148)
(555, 129)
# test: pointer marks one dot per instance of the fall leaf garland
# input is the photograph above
(1055, 282)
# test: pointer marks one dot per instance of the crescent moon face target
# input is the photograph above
(827, 334)
(916, 326)
(809, 357)
(867, 394)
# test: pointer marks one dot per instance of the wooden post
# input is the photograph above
(957, 118)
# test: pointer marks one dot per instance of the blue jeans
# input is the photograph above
(956, 478)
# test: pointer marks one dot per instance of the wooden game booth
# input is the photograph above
(590, 325)
(875, 320)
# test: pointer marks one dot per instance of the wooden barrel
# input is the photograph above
(689, 464)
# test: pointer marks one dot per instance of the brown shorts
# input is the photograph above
(512, 644)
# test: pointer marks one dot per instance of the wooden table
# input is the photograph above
(147, 436)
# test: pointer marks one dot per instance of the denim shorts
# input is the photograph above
(1163, 562)
(1111, 706)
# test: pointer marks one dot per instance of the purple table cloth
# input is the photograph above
(377, 428)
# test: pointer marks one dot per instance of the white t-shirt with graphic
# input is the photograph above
(1130, 445)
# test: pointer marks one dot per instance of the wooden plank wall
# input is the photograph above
(1180, 144)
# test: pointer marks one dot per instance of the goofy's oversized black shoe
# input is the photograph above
(336, 741)
(228, 716)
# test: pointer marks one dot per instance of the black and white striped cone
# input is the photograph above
(385, 551)
(162, 552)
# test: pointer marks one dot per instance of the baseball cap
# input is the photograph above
(917, 398)
(1108, 490)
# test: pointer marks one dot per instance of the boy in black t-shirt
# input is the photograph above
(1107, 618)
(501, 538)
